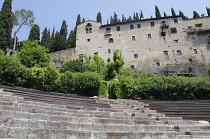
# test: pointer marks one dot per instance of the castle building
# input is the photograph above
(164, 46)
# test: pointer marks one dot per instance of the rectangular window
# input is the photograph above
(132, 67)
(175, 21)
(90, 30)
(111, 40)
(138, 25)
(88, 40)
(152, 24)
(165, 53)
(190, 60)
(158, 64)
(163, 23)
(109, 51)
(131, 27)
(149, 35)
(96, 53)
(133, 38)
(198, 25)
(195, 51)
(118, 28)
(178, 52)
(108, 29)
(173, 30)
(176, 41)
(136, 56)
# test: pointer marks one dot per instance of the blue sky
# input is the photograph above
(50, 13)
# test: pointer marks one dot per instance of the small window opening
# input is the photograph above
(131, 27)
(173, 30)
(138, 25)
(133, 38)
(90, 30)
(178, 52)
(96, 53)
(109, 51)
(132, 67)
(176, 41)
(195, 51)
(118, 28)
(165, 53)
(81, 57)
(163, 33)
(136, 56)
(175, 21)
(190, 60)
(158, 64)
(88, 40)
(111, 40)
(149, 35)
(108, 29)
(152, 24)
(198, 25)
(86, 30)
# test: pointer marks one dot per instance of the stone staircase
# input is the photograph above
(22, 118)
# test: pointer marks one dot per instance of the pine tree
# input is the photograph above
(115, 18)
(78, 20)
(182, 15)
(123, 18)
(52, 41)
(157, 12)
(195, 14)
(71, 39)
(99, 17)
(208, 11)
(44, 37)
(141, 15)
(107, 22)
(173, 12)
(135, 16)
(129, 18)
(111, 20)
(57, 41)
(34, 33)
(83, 20)
(165, 15)
(6, 24)
(63, 35)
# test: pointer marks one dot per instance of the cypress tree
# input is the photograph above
(115, 18)
(71, 39)
(99, 17)
(173, 12)
(63, 35)
(107, 22)
(165, 15)
(208, 11)
(57, 41)
(6, 24)
(141, 15)
(78, 20)
(182, 15)
(157, 12)
(195, 14)
(129, 18)
(34, 33)
(46, 39)
(52, 41)
(123, 18)
(83, 20)
(111, 20)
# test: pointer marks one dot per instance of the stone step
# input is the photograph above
(28, 133)
(12, 122)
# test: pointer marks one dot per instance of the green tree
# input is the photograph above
(129, 18)
(115, 18)
(99, 17)
(11, 71)
(45, 41)
(135, 16)
(22, 17)
(78, 22)
(157, 12)
(71, 40)
(123, 18)
(141, 15)
(182, 15)
(173, 12)
(115, 67)
(83, 20)
(32, 54)
(34, 33)
(165, 15)
(63, 35)
(208, 11)
(57, 41)
(6, 24)
(73, 66)
(52, 41)
(195, 14)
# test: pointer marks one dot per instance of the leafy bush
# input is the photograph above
(11, 71)
(73, 66)
(103, 91)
